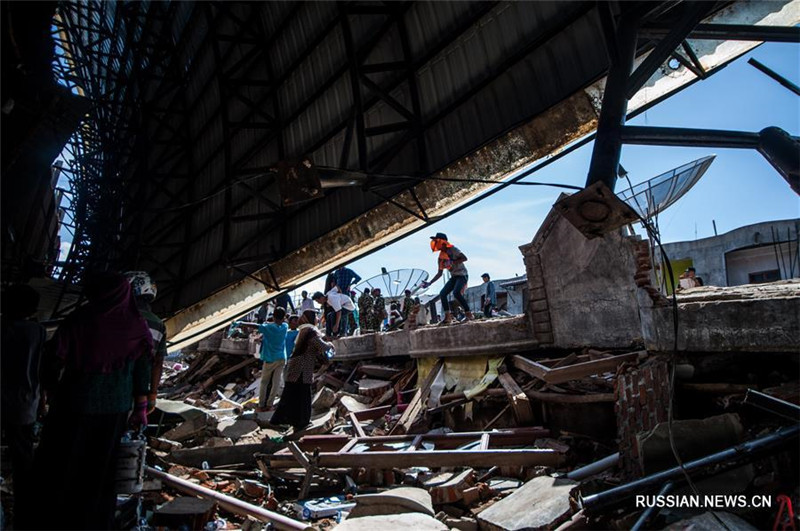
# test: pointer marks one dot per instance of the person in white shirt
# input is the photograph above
(340, 307)
(305, 304)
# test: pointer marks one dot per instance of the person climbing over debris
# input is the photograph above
(336, 321)
(310, 348)
(144, 293)
(99, 372)
(452, 259)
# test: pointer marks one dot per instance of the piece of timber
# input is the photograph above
(520, 404)
(223, 455)
(433, 458)
(372, 413)
(498, 438)
(559, 398)
(356, 425)
(573, 372)
(208, 383)
(419, 403)
(227, 502)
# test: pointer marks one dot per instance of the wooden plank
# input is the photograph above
(572, 372)
(208, 383)
(485, 441)
(434, 458)
(496, 417)
(520, 404)
(372, 413)
(588, 368)
(346, 448)
(558, 398)
(357, 425)
(537, 370)
(419, 402)
(414, 444)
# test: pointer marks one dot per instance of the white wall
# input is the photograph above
(741, 263)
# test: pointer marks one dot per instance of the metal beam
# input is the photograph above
(695, 12)
(681, 136)
(774, 75)
(731, 32)
(607, 144)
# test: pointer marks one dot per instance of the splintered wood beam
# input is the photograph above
(433, 458)
(576, 371)
(520, 404)
(356, 425)
(419, 403)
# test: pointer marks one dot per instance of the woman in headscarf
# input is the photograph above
(310, 348)
(99, 373)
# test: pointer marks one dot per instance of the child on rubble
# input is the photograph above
(310, 348)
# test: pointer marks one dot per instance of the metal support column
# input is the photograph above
(608, 144)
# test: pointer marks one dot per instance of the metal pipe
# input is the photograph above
(579, 474)
(681, 136)
(774, 75)
(653, 509)
(728, 458)
(774, 405)
(228, 503)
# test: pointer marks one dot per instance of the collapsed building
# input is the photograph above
(606, 388)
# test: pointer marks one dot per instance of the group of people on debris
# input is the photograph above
(93, 381)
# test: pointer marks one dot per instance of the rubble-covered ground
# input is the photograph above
(514, 442)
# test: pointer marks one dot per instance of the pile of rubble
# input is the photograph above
(513, 442)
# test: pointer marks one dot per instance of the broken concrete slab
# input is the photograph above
(191, 428)
(394, 501)
(323, 399)
(352, 405)
(373, 388)
(462, 524)
(321, 423)
(407, 521)
(236, 429)
(450, 490)
(707, 522)
(542, 503)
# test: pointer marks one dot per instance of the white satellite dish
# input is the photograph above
(393, 284)
(654, 196)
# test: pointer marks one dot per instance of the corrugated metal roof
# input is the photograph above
(245, 85)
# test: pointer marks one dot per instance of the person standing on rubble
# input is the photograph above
(291, 334)
(305, 303)
(22, 343)
(273, 357)
(408, 304)
(344, 277)
(365, 311)
(144, 292)
(489, 296)
(452, 259)
(97, 373)
(310, 348)
(378, 313)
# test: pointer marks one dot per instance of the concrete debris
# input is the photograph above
(707, 522)
(405, 521)
(393, 442)
(542, 503)
(393, 501)
(236, 429)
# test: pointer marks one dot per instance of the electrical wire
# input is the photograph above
(653, 234)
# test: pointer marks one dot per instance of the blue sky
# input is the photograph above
(739, 188)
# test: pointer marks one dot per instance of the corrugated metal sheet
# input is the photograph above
(477, 77)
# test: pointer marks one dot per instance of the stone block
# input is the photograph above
(323, 399)
(394, 501)
(542, 503)
(407, 521)
(236, 429)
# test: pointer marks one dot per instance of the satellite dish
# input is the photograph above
(393, 284)
(655, 195)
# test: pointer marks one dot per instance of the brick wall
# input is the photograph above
(641, 400)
